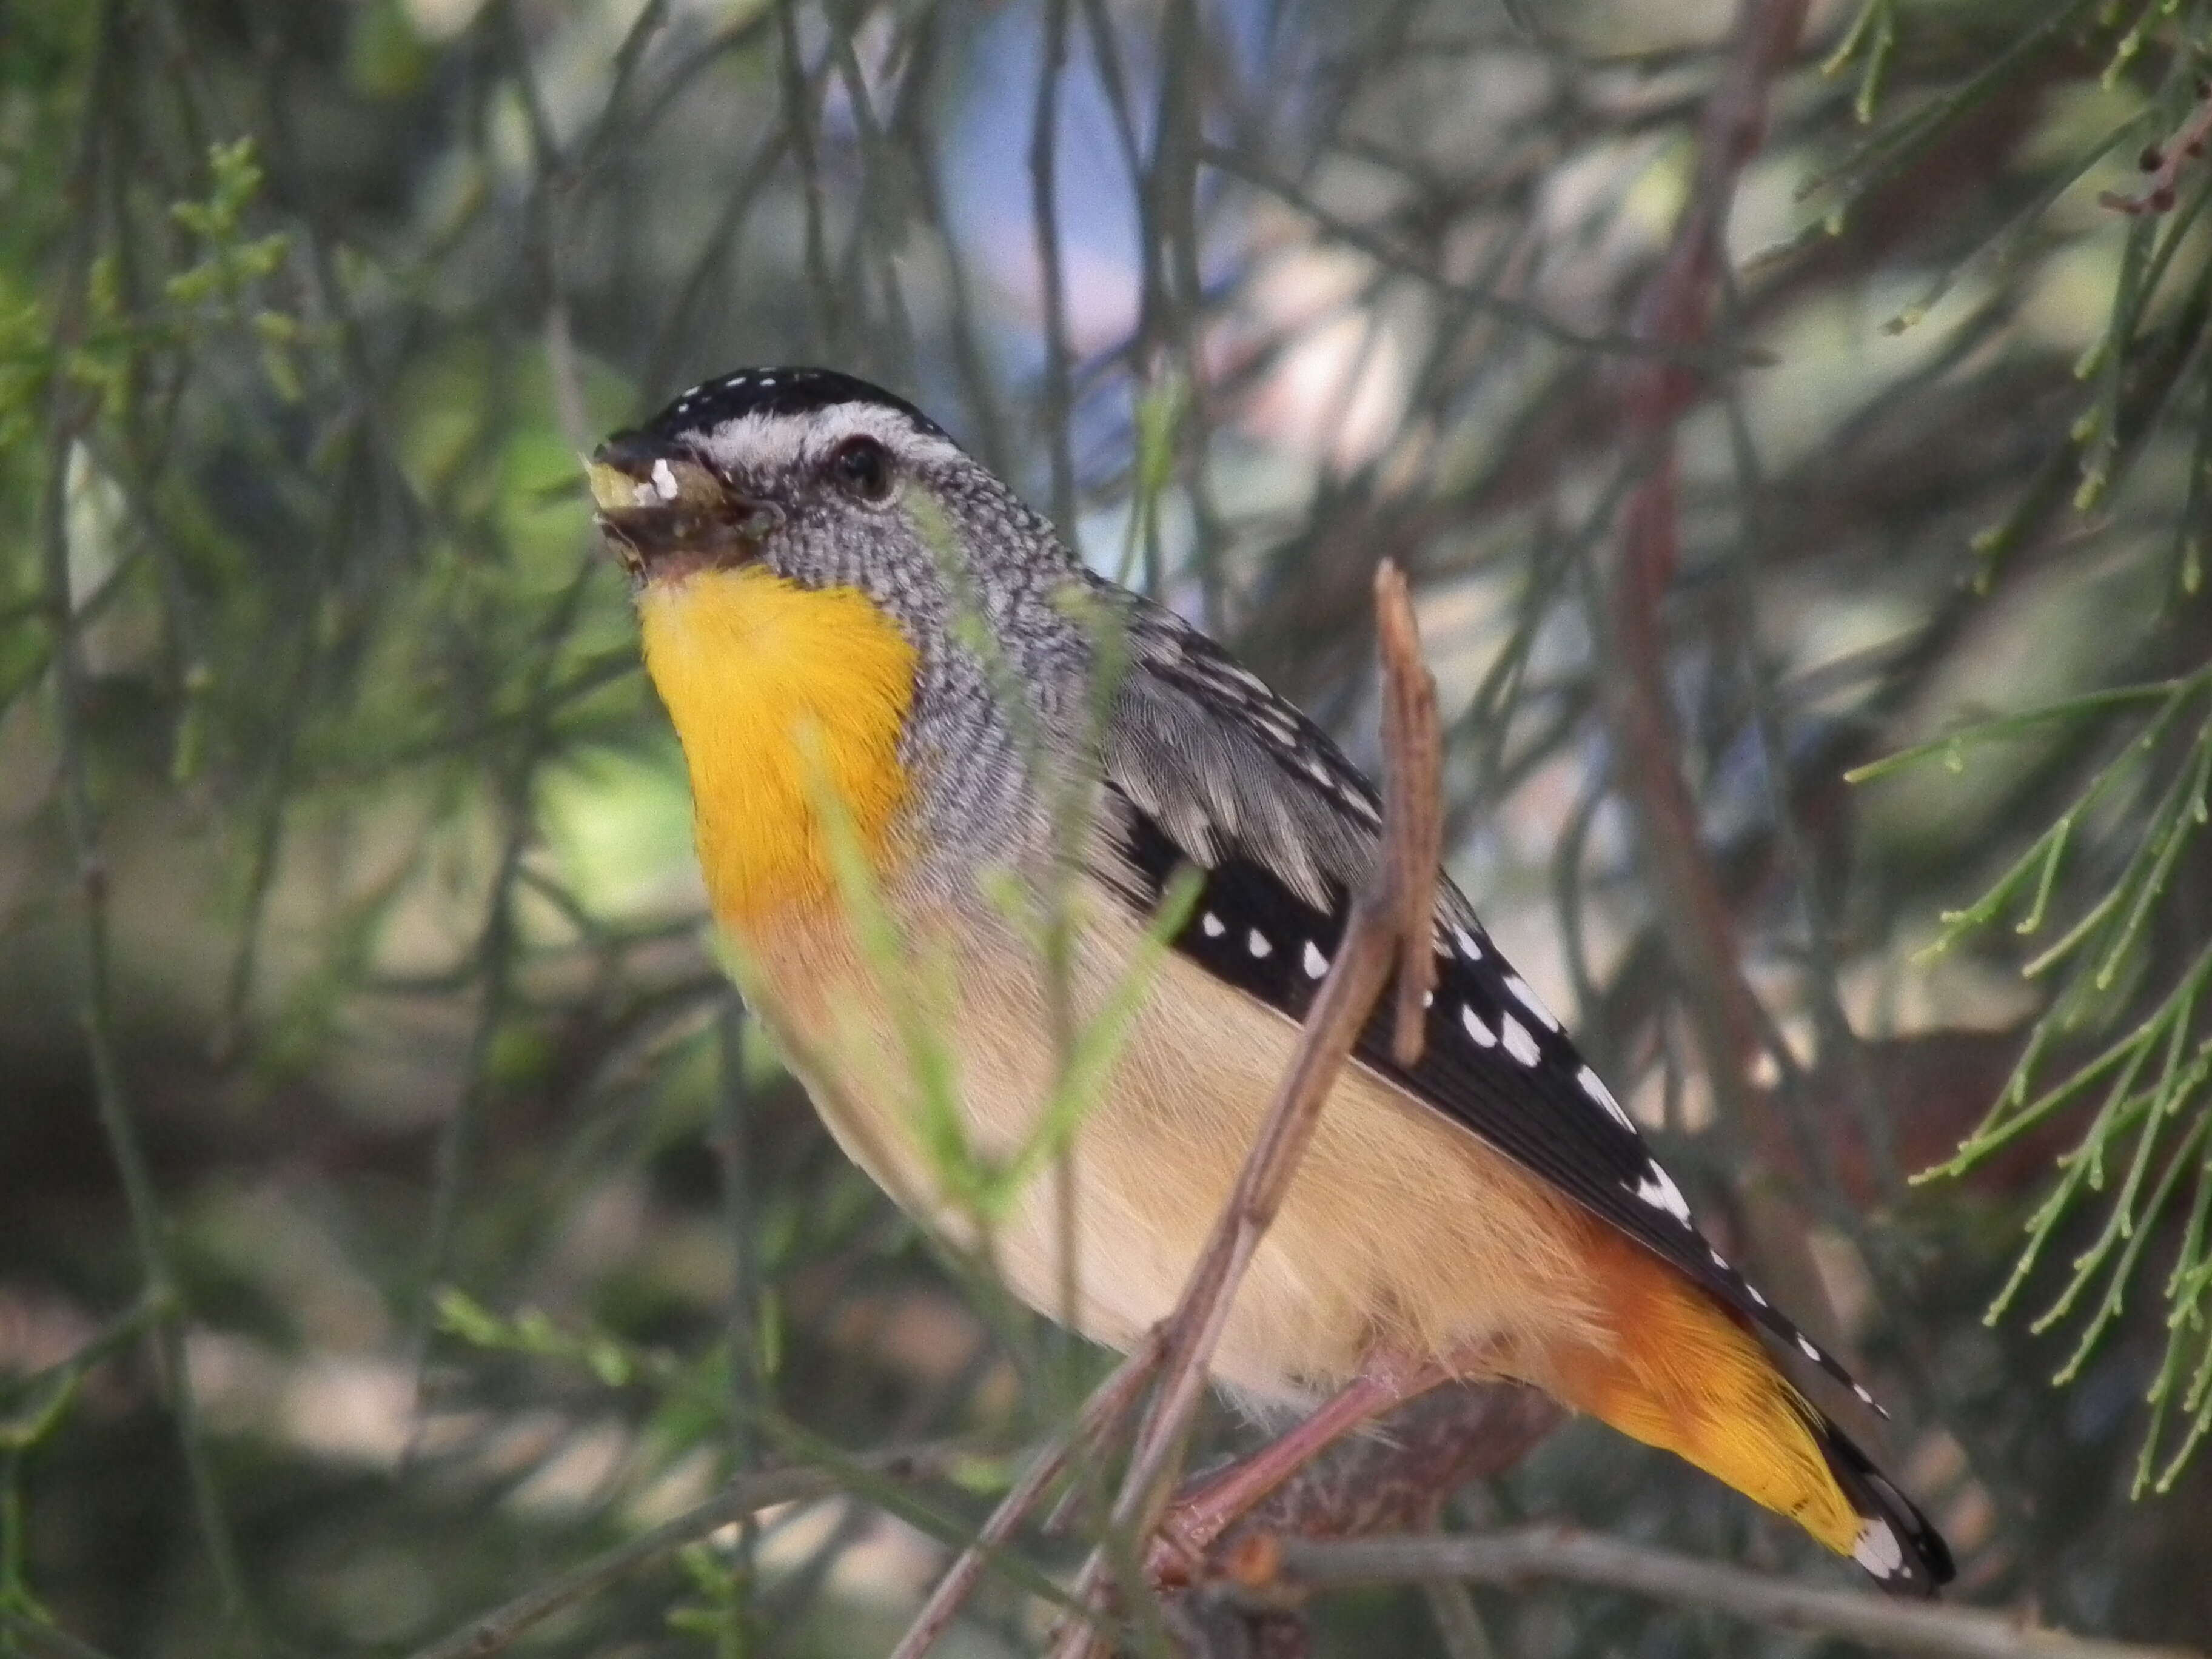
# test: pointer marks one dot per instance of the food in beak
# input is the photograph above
(661, 514)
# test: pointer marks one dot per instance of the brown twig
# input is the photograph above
(1414, 821)
(2164, 162)
(1097, 1422)
(1395, 1480)
(1563, 1555)
(1675, 309)
(1402, 892)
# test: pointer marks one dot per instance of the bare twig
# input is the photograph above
(1402, 888)
(747, 1495)
(1412, 737)
(1675, 308)
(1564, 1555)
(2164, 162)
(70, 412)
(1097, 1421)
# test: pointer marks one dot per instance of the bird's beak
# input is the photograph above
(662, 514)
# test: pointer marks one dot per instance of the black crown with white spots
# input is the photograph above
(776, 391)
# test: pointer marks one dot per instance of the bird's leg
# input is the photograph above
(1203, 1512)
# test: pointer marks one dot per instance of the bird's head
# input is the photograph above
(826, 482)
(805, 550)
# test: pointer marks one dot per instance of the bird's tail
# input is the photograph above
(1685, 1375)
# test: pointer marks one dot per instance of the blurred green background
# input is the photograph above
(393, 1210)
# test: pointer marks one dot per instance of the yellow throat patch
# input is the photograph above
(777, 691)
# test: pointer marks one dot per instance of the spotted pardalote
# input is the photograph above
(847, 616)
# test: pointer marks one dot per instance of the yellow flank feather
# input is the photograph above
(1685, 1377)
(776, 690)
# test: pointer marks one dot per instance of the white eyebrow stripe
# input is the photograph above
(764, 443)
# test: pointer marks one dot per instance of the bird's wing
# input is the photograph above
(1205, 767)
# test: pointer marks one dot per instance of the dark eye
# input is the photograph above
(863, 466)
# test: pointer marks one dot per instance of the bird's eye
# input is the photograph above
(863, 466)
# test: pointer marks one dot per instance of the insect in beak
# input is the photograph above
(662, 514)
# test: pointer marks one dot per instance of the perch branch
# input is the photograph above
(1564, 1555)
(1095, 1422)
(1400, 898)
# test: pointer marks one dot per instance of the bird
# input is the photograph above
(888, 676)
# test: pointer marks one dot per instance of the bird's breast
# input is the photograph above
(1400, 1230)
(789, 702)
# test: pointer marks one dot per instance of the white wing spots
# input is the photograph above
(1719, 1260)
(1593, 1086)
(1482, 1034)
(1752, 1291)
(1469, 946)
(1657, 1189)
(1805, 1347)
(1518, 1042)
(1878, 1551)
(1213, 924)
(1532, 1002)
(1256, 942)
(1865, 1399)
(1316, 964)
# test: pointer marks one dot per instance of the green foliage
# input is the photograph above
(2154, 1117)
(346, 892)
(2118, 841)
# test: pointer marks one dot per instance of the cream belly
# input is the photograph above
(1401, 1230)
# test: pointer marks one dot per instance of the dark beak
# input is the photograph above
(662, 514)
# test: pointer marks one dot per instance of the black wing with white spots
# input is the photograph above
(1206, 767)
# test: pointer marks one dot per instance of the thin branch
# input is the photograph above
(70, 412)
(1675, 309)
(2164, 162)
(1527, 1554)
(1402, 893)
(1097, 1421)
(1412, 737)
(745, 1496)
